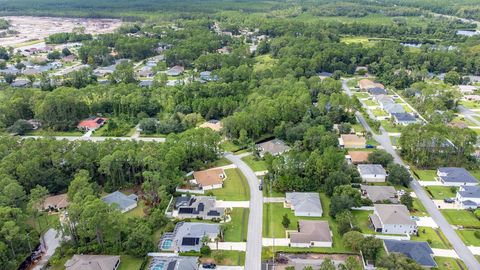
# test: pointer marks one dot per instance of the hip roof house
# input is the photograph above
(311, 233)
(209, 179)
(372, 172)
(417, 251)
(305, 204)
(187, 236)
(197, 207)
(121, 201)
(454, 176)
(392, 219)
(468, 197)
(93, 262)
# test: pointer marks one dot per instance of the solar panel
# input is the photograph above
(190, 241)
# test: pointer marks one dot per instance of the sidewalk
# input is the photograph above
(239, 246)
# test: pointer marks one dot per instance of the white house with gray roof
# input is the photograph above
(203, 207)
(468, 197)
(123, 202)
(372, 173)
(304, 204)
(380, 194)
(187, 236)
(454, 176)
(392, 219)
(171, 261)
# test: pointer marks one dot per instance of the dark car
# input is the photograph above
(370, 146)
(448, 200)
(209, 266)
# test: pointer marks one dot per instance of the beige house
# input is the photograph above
(366, 84)
(214, 125)
(209, 179)
(311, 233)
(55, 203)
(93, 262)
(357, 157)
(352, 141)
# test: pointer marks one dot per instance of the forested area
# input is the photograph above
(32, 169)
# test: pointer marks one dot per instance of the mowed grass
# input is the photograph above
(362, 221)
(128, 262)
(44, 221)
(436, 239)
(463, 218)
(236, 230)
(272, 226)
(137, 212)
(444, 263)
(219, 163)
(225, 257)
(256, 164)
(419, 208)
(425, 175)
(440, 192)
(469, 238)
(235, 187)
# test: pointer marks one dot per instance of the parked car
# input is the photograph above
(209, 266)
(449, 200)
(370, 146)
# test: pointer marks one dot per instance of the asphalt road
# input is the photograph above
(469, 114)
(463, 252)
(254, 237)
(97, 139)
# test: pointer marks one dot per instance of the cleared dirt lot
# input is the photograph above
(37, 28)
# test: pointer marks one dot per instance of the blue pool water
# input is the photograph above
(167, 244)
(157, 266)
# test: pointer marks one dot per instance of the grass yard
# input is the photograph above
(257, 165)
(436, 239)
(362, 221)
(469, 238)
(440, 192)
(420, 210)
(219, 163)
(379, 112)
(137, 212)
(444, 263)
(235, 187)
(389, 126)
(42, 132)
(361, 95)
(225, 257)
(475, 173)
(425, 175)
(44, 221)
(128, 262)
(370, 102)
(463, 218)
(358, 128)
(272, 226)
(229, 146)
(236, 230)
(469, 104)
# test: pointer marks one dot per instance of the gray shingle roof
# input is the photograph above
(377, 91)
(121, 200)
(456, 175)
(305, 202)
(404, 117)
(469, 191)
(311, 230)
(394, 108)
(371, 169)
(274, 147)
(380, 193)
(393, 214)
(418, 251)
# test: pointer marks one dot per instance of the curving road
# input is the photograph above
(254, 237)
(462, 250)
(97, 139)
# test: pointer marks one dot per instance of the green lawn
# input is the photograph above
(389, 126)
(370, 102)
(235, 187)
(432, 237)
(42, 132)
(272, 226)
(257, 165)
(470, 104)
(219, 163)
(44, 221)
(128, 262)
(225, 257)
(361, 94)
(379, 112)
(440, 192)
(463, 218)
(419, 209)
(468, 237)
(358, 128)
(236, 230)
(362, 221)
(425, 175)
(229, 146)
(444, 263)
(137, 212)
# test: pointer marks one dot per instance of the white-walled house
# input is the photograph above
(372, 173)
(311, 233)
(468, 197)
(304, 204)
(392, 219)
(454, 176)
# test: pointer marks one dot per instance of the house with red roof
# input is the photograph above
(92, 123)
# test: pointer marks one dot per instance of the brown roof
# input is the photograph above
(352, 138)
(209, 177)
(366, 83)
(311, 230)
(217, 126)
(58, 201)
(358, 156)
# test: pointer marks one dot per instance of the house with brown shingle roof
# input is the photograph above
(357, 157)
(55, 203)
(352, 141)
(366, 84)
(311, 233)
(209, 179)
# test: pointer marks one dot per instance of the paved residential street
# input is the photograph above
(463, 252)
(253, 255)
(97, 139)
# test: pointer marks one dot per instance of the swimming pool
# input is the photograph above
(167, 244)
(157, 265)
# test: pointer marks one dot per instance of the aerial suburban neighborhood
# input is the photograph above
(239, 135)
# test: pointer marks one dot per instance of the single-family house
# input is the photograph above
(468, 197)
(377, 91)
(209, 179)
(168, 261)
(357, 157)
(103, 71)
(420, 252)
(394, 108)
(379, 194)
(175, 71)
(92, 123)
(36, 124)
(203, 207)
(473, 78)
(20, 83)
(352, 141)
(275, 147)
(214, 125)
(372, 173)
(392, 219)
(404, 119)
(187, 236)
(206, 76)
(467, 89)
(311, 233)
(366, 84)
(384, 101)
(145, 71)
(93, 262)
(55, 203)
(472, 97)
(454, 176)
(323, 75)
(304, 204)
(122, 202)
(145, 83)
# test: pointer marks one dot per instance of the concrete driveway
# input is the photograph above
(52, 242)
(253, 257)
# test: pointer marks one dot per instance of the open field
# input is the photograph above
(37, 28)
(425, 175)
(235, 187)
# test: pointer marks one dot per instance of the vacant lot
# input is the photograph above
(257, 165)
(236, 229)
(461, 218)
(425, 175)
(440, 193)
(469, 238)
(235, 187)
